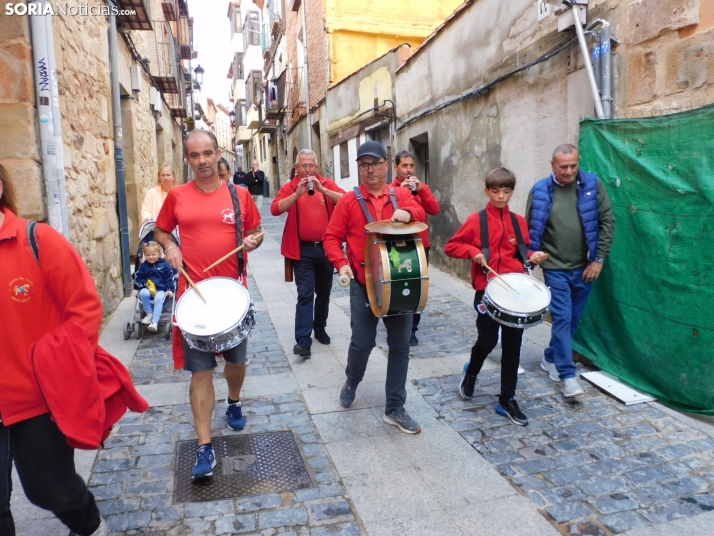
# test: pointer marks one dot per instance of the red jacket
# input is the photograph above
(290, 246)
(466, 243)
(35, 299)
(95, 388)
(348, 221)
(428, 202)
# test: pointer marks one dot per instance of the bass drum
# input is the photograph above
(524, 307)
(220, 323)
(396, 274)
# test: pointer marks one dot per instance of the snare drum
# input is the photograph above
(396, 274)
(220, 323)
(522, 309)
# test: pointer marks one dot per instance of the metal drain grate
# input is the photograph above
(253, 464)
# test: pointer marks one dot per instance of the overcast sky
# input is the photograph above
(212, 40)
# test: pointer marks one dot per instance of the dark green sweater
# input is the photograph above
(564, 235)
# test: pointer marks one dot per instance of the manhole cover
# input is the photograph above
(253, 464)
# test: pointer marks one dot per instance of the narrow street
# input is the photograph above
(589, 467)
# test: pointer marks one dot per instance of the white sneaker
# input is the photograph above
(550, 369)
(572, 388)
(147, 319)
(154, 326)
(521, 370)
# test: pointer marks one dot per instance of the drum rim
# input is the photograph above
(232, 327)
(487, 295)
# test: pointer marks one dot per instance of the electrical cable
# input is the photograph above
(482, 90)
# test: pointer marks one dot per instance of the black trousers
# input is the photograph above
(511, 339)
(45, 463)
(313, 279)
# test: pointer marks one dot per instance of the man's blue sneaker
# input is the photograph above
(511, 410)
(205, 462)
(236, 420)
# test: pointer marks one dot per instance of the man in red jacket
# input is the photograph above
(347, 225)
(308, 216)
(404, 168)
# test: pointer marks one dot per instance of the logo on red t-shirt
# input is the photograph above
(512, 240)
(229, 216)
(20, 289)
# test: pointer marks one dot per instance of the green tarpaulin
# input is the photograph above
(650, 317)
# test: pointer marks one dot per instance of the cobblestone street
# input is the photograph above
(590, 467)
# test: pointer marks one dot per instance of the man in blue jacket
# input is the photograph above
(570, 217)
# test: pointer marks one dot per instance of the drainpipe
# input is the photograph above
(119, 155)
(50, 121)
(586, 60)
(606, 70)
(307, 80)
(597, 63)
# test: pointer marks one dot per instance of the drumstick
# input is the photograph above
(236, 250)
(194, 287)
(503, 280)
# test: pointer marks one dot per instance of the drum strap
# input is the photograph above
(486, 250)
(239, 228)
(360, 198)
(522, 250)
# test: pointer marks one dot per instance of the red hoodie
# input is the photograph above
(35, 299)
(428, 202)
(290, 246)
(466, 243)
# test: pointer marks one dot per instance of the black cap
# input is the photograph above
(371, 148)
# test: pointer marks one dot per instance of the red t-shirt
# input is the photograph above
(207, 227)
(313, 220)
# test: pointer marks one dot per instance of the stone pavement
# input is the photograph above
(590, 467)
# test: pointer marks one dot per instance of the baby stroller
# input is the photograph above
(135, 325)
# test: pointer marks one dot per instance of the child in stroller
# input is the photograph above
(155, 279)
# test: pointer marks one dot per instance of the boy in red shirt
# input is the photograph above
(503, 245)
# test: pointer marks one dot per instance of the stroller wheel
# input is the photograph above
(140, 330)
(168, 330)
(128, 330)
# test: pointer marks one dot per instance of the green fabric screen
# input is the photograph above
(650, 318)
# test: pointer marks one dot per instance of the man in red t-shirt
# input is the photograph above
(308, 216)
(203, 211)
(347, 225)
(404, 168)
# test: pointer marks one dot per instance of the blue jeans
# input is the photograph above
(568, 296)
(145, 297)
(364, 334)
(313, 279)
(45, 464)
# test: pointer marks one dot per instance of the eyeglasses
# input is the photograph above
(307, 166)
(364, 166)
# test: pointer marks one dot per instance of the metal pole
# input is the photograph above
(586, 59)
(597, 63)
(307, 78)
(119, 155)
(606, 70)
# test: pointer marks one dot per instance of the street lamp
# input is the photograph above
(198, 71)
(232, 115)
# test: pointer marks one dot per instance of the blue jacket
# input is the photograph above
(160, 273)
(587, 204)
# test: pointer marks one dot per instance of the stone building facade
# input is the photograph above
(152, 132)
(664, 62)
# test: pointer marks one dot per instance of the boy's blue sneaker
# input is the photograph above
(466, 386)
(511, 410)
(236, 420)
(205, 462)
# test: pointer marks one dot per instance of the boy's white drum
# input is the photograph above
(220, 323)
(523, 308)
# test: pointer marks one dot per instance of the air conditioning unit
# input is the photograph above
(137, 79)
(155, 98)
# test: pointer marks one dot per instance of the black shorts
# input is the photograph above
(197, 361)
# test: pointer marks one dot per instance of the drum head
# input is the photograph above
(532, 296)
(396, 227)
(227, 302)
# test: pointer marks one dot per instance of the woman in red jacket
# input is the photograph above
(35, 300)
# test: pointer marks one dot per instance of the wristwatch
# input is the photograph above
(599, 259)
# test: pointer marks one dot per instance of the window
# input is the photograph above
(254, 87)
(262, 148)
(251, 30)
(238, 66)
(344, 160)
(236, 20)
(421, 151)
(242, 114)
